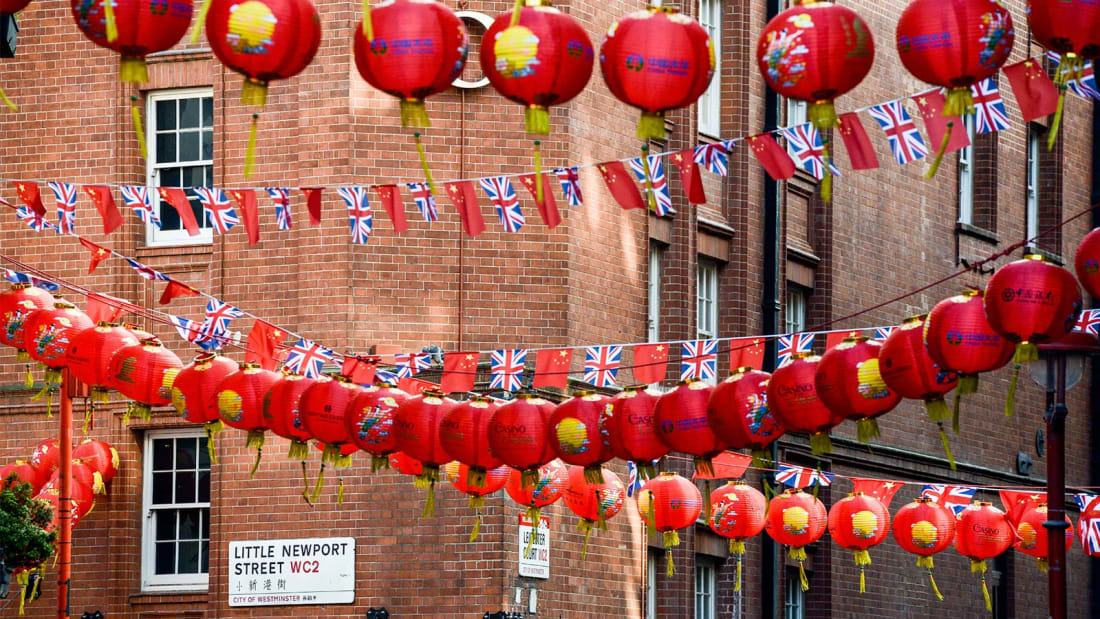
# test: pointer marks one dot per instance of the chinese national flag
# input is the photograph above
(650, 363)
(459, 371)
(1016, 501)
(548, 207)
(837, 337)
(105, 204)
(246, 199)
(881, 489)
(621, 185)
(1035, 93)
(772, 156)
(176, 289)
(861, 154)
(313, 203)
(935, 123)
(390, 197)
(464, 198)
(263, 344)
(415, 386)
(105, 308)
(552, 368)
(689, 176)
(28, 193)
(360, 369)
(727, 465)
(747, 352)
(178, 199)
(99, 254)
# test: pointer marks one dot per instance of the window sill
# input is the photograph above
(175, 249)
(1049, 256)
(982, 234)
(179, 595)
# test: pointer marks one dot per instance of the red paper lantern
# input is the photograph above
(547, 488)
(495, 479)
(738, 411)
(1086, 264)
(48, 333)
(322, 409)
(133, 29)
(81, 502)
(982, 532)
(283, 413)
(1032, 538)
(100, 456)
(858, 522)
(24, 473)
(924, 528)
(411, 50)
(519, 436)
(369, 422)
(15, 304)
(84, 475)
(46, 457)
(416, 424)
(593, 503)
(737, 513)
(1067, 27)
(90, 353)
(656, 60)
(194, 394)
(911, 373)
(144, 373)
(793, 400)
(405, 464)
(1032, 302)
(576, 434)
(667, 503)
(464, 435)
(960, 339)
(681, 416)
(849, 382)
(632, 428)
(796, 519)
(240, 397)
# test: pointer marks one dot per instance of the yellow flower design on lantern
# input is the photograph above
(1027, 535)
(250, 27)
(229, 406)
(572, 436)
(925, 534)
(871, 385)
(795, 520)
(864, 524)
(516, 49)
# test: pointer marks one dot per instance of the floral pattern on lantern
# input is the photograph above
(667, 503)
(593, 503)
(849, 382)
(796, 519)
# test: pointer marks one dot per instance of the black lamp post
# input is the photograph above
(1061, 365)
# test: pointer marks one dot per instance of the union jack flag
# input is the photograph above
(507, 368)
(33, 220)
(657, 178)
(360, 217)
(503, 196)
(905, 139)
(16, 277)
(1090, 535)
(989, 108)
(382, 376)
(699, 359)
(409, 364)
(148, 273)
(65, 195)
(789, 345)
(218, 208)
(1084, 501)
(802, 477)
(713, 157)
(139, 199)
(1088, 321)
(307, 358)
(955, 498)
(570, 185)
(601, 365)
(881, 333)
(634, 481)
(425, 201)
(189, 330)
(806, 143)
(218, 317)
(281, 196)
(1084, 84)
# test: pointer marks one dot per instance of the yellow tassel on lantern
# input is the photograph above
(88, 413)
(368, 25)
(424, 162)
(979, 566)
(305, 482)
(135, 116)
(528, 478)
(593, 475)
(586, 526)
(254, 92)
(946, 445)
(821, 444)
(536, 119)
(940, 153)
(197, 30)
(8, 102)
(1069, 69)
(477, 527)
(212, 429)
(515, 13)
(704, 466)
(319, 485)
(538, 172)
(827, 178)
(937, 409)
(255, 439)
(1010, 400)
(98, 486)
(340, 491)
(377, 463)
(648, 178)
(926, 563)
(299, 450)
(109, 17)
(534, 515)
(250, 152)
(651, 126)
(799, 555)
(427, 479)
(28, 381)
(737, 549)
(21, 579)
(863, 559)
(133, 70)
(414, 113)
(867, 429)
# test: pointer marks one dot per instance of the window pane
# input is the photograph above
(205, 515)
(185, 487)
(166, 147)
(208, 145)
(170, 177)
(189, 146)
(207, 111)
(188, 558)
(169, 218)
(194, 176)
(166, 525)
(189, 523)
(162, 454)
(166, 115)
(165, 562)
(204, 454)
(189, 113)
(204, 487)
(185, 453)
(162, 488)
(205, 558)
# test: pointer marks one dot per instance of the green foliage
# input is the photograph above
(23, 521)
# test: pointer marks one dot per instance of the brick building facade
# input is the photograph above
(604, 275)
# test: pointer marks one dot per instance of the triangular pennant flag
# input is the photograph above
(28, 193)
(570, 185)
(881, 489)
(176, 289)
(690, 177)
(313, 203)
(861, 153)
(747, 352)
(459, 370)
(416, 386)
(1035, 92)
(263, 345)
(621, 185)
(246, 200)
(65, 197)
(775, 159)
(104, 202)
(548, 207)
(837, 337)
(179, 201)
(552, 368)
(464, 198)
(390, 197)
(650, 363)
(504, 199)
(1016, 502)
(935, 123)
(146, 272)
(360, 370)
(99, 254)
(726, 465)
(105, 308)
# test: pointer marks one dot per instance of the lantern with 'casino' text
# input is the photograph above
(494, 479)
(796, 519)
(194, 394)
(464, 435)
(924, 528)
(632, 429)
(858, 522)
(681, 418)
(240, 397)
(576, 434)
(667, 503)
(369, 422)
(793, 400)
(519, 435)
(1032, 538)
(1086, 265)
(416, 425)
(1070, 28)
(593, 503)
(982, 532)
(144, 373)
(737, 513)
(849, 382)
(738, 412)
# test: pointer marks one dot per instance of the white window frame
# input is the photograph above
(653, 317)
(797, 112)
(705, 586)
(794, 315)
(706, 301)
(1034, 145)
(153, 235)
(150, 581)
(710, 103)
(651, 586)
(794, 600)
(966, 175)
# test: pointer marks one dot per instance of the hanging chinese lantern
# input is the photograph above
(959, 339)
(283, 413)
(739, 415)
(536, 56)
(1086, 265)
(1032, 538)
(793, 400)
(796, 519)
(911, 373)
(464, 435)
(849, 382)
(1068, 28)
(90, 352)
(519, 435)
(924, 528)
(982, 532)
(416, 425)
(48, 333)
(593, 503)
(84, 475)
(24, 473)
(322, 408)
(681, 416)
(46, 457)
(667, 503)
(546, 489)
(858, 522)
(816, 52)
(737, 513)
(15, 304)
(954, 44)
(458, 474)
(1032, 302)
(144, 373)
(100, 456)
(369, 422)
(240, 397)
(81, 502)
(263, 40)
(632, 429)
(194, 394)
(576, 434)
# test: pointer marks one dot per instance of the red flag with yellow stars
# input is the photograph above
(650, 363)
(313, 204)
(360, 369)
(1035, 93)
(772, 156)
(105, 203)
(246, 199)
(1016, 502)
(99, 254)
(263, 345)
(105, 308)
(880, 489)
(459, 370)
(747, 352)
(726, 465)
(176, 289)
(621, 185)
(416, 386)
(552, 368)
(178, 199)
(861, 154)
(390, 197)
(28, 193)
(935, 123)
(548, 207)
(464, 198)
(689, 176)
(837, 337)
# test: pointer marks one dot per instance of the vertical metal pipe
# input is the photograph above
(64, 503)
(1056, 495)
